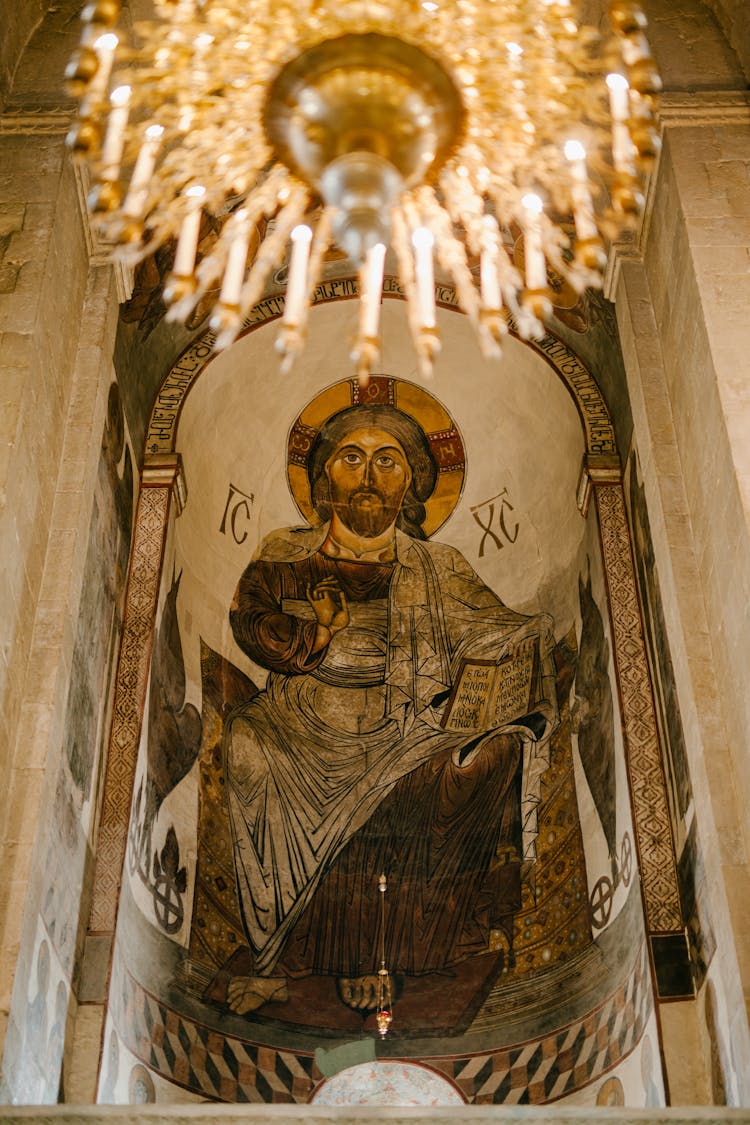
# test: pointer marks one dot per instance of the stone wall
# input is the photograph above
(699, 275)
(689, 46)
(683, 324)
(685, 337)
(57, 320)
(733, 17)
(18, 22)
(56, 324)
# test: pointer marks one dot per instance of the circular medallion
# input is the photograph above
(140, 1086)
(439, 429)
(611, 1092)
(387, 1083)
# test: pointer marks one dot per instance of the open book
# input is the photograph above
(487, 694)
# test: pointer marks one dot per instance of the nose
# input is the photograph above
(367, 472)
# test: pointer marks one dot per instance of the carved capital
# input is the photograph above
(704, 107)
(100, 252)
(596, 468)
(165, 470)
(35, 120)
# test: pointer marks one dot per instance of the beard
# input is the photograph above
(367, 513)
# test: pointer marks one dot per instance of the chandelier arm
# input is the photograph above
(405, 222)
(466, 208)
(271, 252)
(320, 246)
(451, 255)
(366, 351)
(401, 239)
(291, 338)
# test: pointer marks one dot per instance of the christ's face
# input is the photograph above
(368, 475)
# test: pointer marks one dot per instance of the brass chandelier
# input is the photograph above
(452, 131)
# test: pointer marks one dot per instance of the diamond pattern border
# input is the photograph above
(229, 1069)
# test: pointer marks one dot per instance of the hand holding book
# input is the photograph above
(488, 695)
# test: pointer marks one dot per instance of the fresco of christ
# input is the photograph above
(343, 767)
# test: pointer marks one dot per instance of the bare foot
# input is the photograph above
(245, 994)
(360, 993)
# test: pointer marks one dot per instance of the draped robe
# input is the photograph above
(348, 739)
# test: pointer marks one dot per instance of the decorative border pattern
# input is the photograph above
(653, 830)
(162, 428)
(230, 1069)
(704, 107)
(33, 120)
(130, 693)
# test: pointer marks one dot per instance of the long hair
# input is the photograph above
(410, 436)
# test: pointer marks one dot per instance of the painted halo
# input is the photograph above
(442, 434)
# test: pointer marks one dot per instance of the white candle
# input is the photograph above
(423, 241)
(621, 147)
(617, 85)
(105, 47)
(536, 268)
(200, 72)
(296, 286)
(144, 167)
(373, 286)
(187, 243)
(234, 273)
(114, 139)
(635, 48)
(583, 208)
(489, 280)
(619, 107)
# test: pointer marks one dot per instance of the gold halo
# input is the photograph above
(442, 434)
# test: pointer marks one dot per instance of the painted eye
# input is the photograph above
(352, 459)
(384, 461)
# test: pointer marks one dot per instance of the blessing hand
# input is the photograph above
(516, 646)
(329, 603)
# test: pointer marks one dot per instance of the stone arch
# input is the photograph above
(594, 414)
(161, 484)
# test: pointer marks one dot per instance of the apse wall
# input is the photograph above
(513, 919)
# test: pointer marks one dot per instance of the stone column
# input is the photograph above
(57, 320)
(161, 483)
(683, 315)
